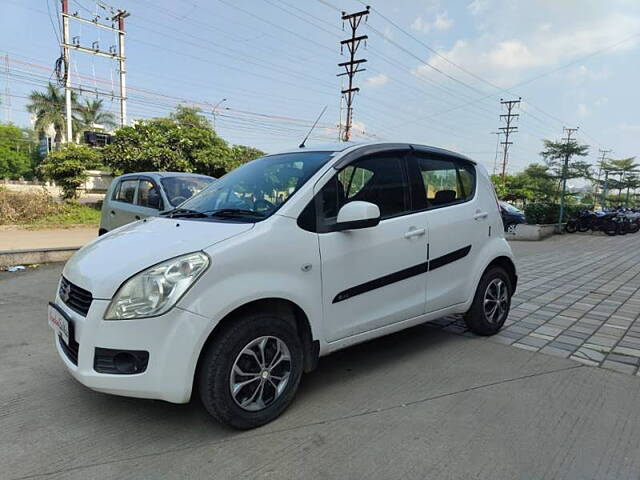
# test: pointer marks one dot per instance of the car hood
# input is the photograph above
(102, 265)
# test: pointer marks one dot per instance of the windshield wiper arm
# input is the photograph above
(234, 212)
(182, 212)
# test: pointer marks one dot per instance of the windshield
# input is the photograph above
(509, 208)
(257, 189)
(179, 189)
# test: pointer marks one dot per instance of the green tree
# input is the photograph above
(184, 142)
(49, 110)
(18, 152)
(535, 183)
(626, 169)
(68, 167)
(92, 113)
(558, 156)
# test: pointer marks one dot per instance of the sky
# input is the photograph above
(435, 73)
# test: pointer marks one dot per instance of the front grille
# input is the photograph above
(71, 350)
(76, 298)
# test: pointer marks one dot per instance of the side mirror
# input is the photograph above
(356, 214)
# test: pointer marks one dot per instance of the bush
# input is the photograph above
(545, 213)
(39, 208)
(68, 167)
(18, 207)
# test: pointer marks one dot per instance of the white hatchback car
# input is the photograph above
(286, 259)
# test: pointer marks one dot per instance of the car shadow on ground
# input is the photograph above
(340, 372)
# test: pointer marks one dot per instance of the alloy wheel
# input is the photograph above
(496, 301)
(260, 373)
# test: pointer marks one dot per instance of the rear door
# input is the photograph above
(122, 207)
(457, 224)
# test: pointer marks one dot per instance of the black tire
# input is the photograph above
(214, 374)
(476, 317)
(571, 227)
(633, 227)
(623, 228)
(583, 226)
(610, 228)
(510, 227)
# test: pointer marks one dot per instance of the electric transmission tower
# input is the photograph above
(352, 66)
(115, 52)
(507, 130)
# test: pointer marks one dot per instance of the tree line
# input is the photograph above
(183, 141)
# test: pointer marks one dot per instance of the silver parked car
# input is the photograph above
(139, 195)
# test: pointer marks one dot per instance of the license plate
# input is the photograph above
(59, 322)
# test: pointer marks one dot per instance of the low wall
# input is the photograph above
(527, 232)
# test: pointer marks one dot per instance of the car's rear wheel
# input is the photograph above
(250, 373)
(491, 303)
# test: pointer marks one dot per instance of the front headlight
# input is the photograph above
(156, 290)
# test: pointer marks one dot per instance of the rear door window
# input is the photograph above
(126, 191)
(443, 182)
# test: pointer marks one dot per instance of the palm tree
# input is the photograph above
(91, 114)
(49, 110)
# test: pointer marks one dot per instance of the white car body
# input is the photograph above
(438, 256)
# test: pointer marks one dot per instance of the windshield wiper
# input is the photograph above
(183, 212)
(234, 212)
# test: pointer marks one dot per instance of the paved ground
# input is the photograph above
(20, 239)
(578, 297)
(420, 404)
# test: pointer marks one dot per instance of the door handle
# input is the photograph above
(112, 212)
(137, 217)
(414, 232)
(480, 215)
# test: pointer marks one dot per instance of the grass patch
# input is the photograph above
(71, 214)
(39, 209)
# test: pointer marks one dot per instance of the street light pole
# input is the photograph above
(213, 112)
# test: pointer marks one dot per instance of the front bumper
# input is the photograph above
(173, 340)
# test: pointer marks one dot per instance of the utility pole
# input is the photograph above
(565, 168)
(604, 153)
(508, 118)
(495, 158)
(67, 70)
(213, 111)
(119, 18)
(7, 90)
(352, 66)
(114, 53)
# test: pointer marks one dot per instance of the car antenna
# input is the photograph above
(313, 126)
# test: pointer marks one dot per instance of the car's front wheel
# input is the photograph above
(491, 303)
(250, 373)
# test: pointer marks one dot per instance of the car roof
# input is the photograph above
(349, 147)
(160, 175)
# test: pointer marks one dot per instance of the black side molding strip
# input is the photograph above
(402, 274)
(449, 257)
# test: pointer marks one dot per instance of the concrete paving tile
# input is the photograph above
(633, 352)
(614, 357)
(533, 341)
(557, 352)
(619, 367)
(589, 354)
(546, 330)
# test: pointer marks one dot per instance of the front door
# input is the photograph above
(371, 277)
